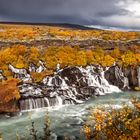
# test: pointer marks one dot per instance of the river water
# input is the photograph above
(64, 120)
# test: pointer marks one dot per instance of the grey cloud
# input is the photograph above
(62, 11)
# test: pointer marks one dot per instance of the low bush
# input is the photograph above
(121, 124)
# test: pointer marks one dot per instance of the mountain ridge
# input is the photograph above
(66, 25)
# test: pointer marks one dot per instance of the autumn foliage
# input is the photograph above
(21, 56)
(19, 33)
(9, 90)
(122, 124)
(38, 77)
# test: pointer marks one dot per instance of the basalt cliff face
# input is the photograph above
(73, 85)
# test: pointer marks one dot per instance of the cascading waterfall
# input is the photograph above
(106, 86)
(47, 101)
(98, 81)
(74, 87)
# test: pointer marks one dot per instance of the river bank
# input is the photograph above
(65, 120)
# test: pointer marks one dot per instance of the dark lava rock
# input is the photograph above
(114, 77)
(73, 76)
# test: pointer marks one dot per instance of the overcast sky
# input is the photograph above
(125, 13)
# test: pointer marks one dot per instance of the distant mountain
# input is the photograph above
(76, 26)
(111, 28)
(66, 25)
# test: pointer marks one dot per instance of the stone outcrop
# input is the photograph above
(115, 76)
(72, 85)
(9, 107)
(133, 75)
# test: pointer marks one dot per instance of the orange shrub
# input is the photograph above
(9, 90)
(20, 57)
(38, 77)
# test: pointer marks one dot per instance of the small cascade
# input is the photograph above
(33, 103)
(32, 67)
(22, 74)
(115, 76)
(106, 86)
(126, 83)
(53, 101)
(47, 101)
(60, 101)
(72, 95)
(98, 81)
(55, 81)
(138, 76)
(58, 67)
(41, 68)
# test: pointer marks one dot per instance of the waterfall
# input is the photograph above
(98, 81)
(55, 81)
(41, 68)
(22, 74)
(47, 101)
(33, 103)
(71, 85)
(106, 86)
(49, 81)
(60, 101)
(71, 94)
(138, 76)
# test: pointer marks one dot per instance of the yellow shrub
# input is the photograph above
(122, 124)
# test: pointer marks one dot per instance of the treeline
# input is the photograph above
(21, 57)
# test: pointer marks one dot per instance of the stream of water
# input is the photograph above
(65, 120)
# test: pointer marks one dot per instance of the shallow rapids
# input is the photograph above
(65, 120)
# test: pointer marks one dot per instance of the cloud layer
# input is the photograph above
(100, 12)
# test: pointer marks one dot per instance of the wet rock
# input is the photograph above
(22, 74)
(71, 85)
(73, 76)
(115, 76)
(131, 74)
(38, 69)
(30, 90)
